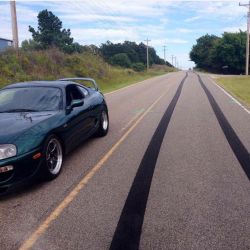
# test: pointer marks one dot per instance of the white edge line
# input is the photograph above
(229, 95)
(136, 83)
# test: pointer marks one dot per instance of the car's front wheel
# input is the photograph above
(103, 124)
(53, 157)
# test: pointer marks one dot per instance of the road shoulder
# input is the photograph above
(235, 94)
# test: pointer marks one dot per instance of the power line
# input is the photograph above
(247, 45)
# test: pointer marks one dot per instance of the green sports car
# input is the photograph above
(42, 121)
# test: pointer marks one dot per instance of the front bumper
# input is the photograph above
(24, 167)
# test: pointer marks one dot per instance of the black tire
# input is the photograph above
(103, 124)
(53, 158)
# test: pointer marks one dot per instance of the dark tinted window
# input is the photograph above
(30, 98)
(73, 93)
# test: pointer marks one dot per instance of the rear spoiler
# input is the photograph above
(82, 79)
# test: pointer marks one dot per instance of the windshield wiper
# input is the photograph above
(18, 110)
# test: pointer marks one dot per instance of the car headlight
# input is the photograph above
(7, 151)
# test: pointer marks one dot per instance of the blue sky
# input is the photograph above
(176, 24)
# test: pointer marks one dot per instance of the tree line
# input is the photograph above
(50, 33)
(225, 54)
(130, 55)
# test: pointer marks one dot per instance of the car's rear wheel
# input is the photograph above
(53, 157)
(103, 124)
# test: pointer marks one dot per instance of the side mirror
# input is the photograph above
(74, 104)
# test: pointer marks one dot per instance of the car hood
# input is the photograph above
(12, 125)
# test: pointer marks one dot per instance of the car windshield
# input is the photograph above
(30, 99)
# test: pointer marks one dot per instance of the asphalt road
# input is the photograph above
(173, 173)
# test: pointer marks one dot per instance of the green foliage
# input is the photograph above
(138, 67)
(51, 34)
(136, 53)
(121, 59)
(30, 45)
(229, 52)
(91, 49)
(221, 55)
(201, 52)
(53, 64)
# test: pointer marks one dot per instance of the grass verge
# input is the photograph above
(53, 64)
(126, 80)
(238, 86)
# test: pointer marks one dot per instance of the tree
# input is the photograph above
(200, 52)
(130, 49)
(229, 53)
(224, 54)
(51, 34)
(136, 53)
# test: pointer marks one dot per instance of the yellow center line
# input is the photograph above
(31, 240)
(132, 120)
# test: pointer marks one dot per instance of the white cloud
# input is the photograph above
(167, 41)
(183, 30)
(215, 9)
(192, 19)
(164, 21)
(96, 17)
(117, 8)
(98, 35)
(234, 28)
(176, 41)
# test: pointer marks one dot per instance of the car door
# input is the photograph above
(78, 118)
(91, 105)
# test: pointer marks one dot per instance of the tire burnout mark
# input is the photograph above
(235, 143)
(128, 230)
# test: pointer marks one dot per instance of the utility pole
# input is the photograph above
(172, 59)
(164, 47)
(247, 45)
(14, 23)
(147, 53)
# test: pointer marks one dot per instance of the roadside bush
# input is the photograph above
(121, 59)
(29, 45)
(139, 67)
(54, 64)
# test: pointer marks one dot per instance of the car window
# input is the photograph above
(73, 93)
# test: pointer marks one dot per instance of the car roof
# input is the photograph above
(57, 84)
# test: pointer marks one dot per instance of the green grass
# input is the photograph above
(238, 86)
(123, 80)
(53, 64)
